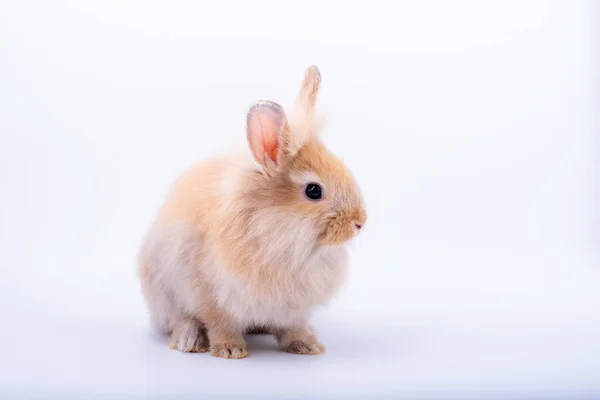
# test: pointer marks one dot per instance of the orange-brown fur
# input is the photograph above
(238, 245)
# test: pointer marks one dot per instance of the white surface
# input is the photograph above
(470, 125)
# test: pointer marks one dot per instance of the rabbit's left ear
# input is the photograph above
(265, 128)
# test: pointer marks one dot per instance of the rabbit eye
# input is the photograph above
(313, 191)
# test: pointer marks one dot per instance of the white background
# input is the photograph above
(471, 126)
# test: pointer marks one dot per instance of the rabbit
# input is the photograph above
(253, 241)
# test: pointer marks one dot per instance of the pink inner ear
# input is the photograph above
(265, 126)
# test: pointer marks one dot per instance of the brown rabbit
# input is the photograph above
(248, 242)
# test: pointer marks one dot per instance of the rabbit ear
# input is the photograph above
(303, 122)
(307, 97)
(265, 127)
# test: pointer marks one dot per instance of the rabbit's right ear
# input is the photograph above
(265, 129)
(306, 99)
(303, 121)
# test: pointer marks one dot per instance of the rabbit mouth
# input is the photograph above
(343, 227)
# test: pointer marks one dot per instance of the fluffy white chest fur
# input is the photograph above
(291, 294)
(187, 270)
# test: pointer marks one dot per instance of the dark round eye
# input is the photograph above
(313, 191)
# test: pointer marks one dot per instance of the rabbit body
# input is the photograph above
(237, 244)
